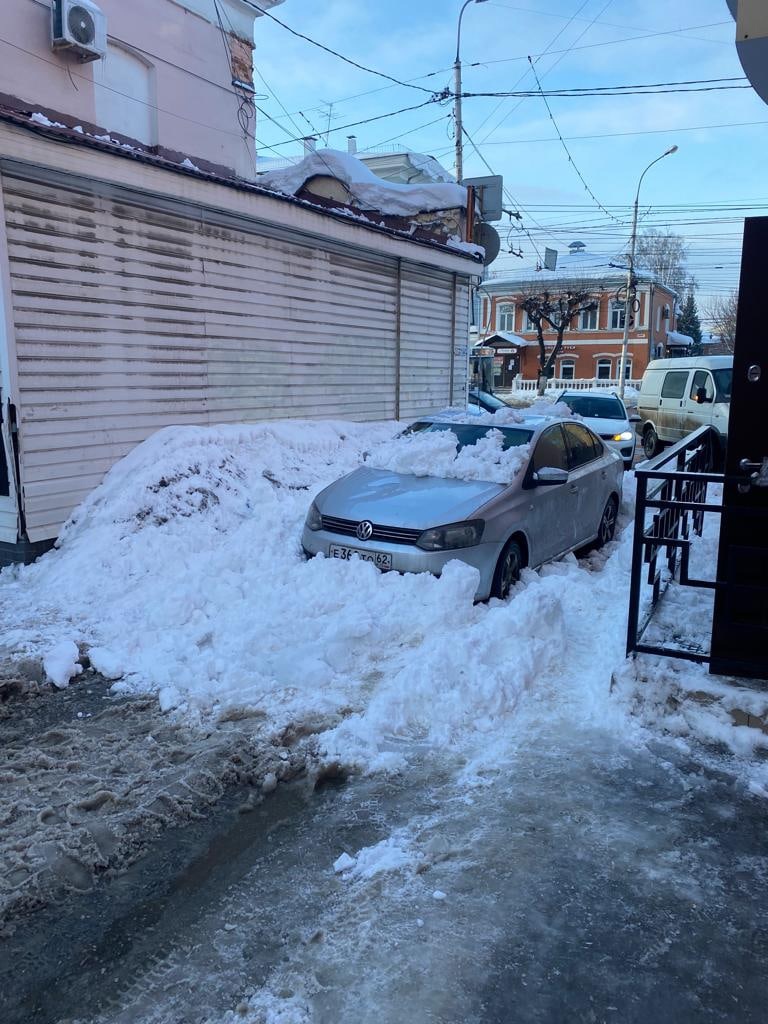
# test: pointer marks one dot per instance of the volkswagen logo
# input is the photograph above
(364, 530)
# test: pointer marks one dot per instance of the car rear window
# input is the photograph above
(595, 406)
(469, 433)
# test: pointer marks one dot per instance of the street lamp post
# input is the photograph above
(457, 93)
(629, 299)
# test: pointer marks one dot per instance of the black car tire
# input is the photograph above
(508, 569)
(607, 527)
(651, 444)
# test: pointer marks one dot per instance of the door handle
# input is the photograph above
(573, 489)
(758, 473)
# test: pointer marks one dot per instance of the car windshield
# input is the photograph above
(723, 381)
(486, 399)
(469, 433)
(595, 406)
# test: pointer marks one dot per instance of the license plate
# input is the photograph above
(381, 559)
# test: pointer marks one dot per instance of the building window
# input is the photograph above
(603, 369)
(628, 369)
(588, 320)
(617, 316)
(567, 369)
(529, 324)
(505, 318)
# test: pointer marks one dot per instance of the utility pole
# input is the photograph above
(457, 95)
(630, 286)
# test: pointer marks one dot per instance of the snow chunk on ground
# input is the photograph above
(368, 190)
(437, 454)
(390, 854)
(61, 664)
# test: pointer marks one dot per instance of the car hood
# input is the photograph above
(401, 499)
(606, 426)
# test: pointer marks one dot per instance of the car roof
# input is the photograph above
(689, 362)
(592, 392)
(523, 420)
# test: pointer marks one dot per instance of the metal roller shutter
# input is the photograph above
(130, 318)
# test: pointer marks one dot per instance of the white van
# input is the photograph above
(679, 395)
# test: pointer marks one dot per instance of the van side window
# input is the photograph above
(674, 384)
(701, 379)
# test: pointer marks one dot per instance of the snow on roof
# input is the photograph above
(370, 191)
(508, 337)
(676, 338)
(429, 167)
(578, 265)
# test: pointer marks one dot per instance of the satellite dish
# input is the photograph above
(488, 237)
(752, 41)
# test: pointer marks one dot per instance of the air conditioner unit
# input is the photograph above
(79, 26)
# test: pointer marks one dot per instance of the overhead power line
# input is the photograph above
(335, 53)
(571, 161)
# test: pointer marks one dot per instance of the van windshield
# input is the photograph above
(723, 381)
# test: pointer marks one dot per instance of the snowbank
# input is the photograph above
(183, 575)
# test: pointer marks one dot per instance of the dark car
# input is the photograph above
(486, 401)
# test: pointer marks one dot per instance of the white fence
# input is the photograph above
(561, 384)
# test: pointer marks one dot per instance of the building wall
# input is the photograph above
(166, 80)
(141, 298)
(585, 347)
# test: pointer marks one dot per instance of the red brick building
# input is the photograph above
(592, 345)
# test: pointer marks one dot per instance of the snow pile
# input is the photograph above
(437, 454)
(368, 190)
(391, 854)
(61, 663)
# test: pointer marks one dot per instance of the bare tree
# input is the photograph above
(665, 254)
(556, 308)
(721, 312)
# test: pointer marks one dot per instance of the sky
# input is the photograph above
(579, 189)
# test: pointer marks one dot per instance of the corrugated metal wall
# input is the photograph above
(129, 319)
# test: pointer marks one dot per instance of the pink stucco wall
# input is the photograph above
(170, 80)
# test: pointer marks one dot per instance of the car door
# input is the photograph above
(587, 480)
(671, 405)
(550, 512)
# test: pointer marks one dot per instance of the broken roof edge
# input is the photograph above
(39, 124)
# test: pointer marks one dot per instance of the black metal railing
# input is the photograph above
(669, 511)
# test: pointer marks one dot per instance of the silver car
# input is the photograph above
(608, 417)
(565, 496)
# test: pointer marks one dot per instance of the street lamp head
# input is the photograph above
(672, 149)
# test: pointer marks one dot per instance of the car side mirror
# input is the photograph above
(549, 475)
(701, 396)
(634, 418)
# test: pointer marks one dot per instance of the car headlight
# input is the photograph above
(625, 435)
(455, 535)
(314, 520)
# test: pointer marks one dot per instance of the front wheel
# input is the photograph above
(508, 570)
(607, 527)
(651, 444)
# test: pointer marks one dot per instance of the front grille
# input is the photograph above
(391, 534)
